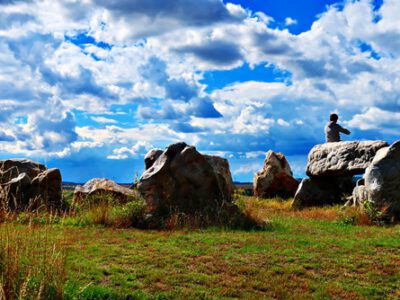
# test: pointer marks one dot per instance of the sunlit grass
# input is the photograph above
(317, 253)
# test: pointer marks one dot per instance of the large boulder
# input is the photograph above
(28, 184)
(221, 169)
(183, 180)
(151, 157)
(47, 188)
(342, 158)
(103, 186)
(15, 193)
(317, 192)
(20, 165)
(276, 178)
(382, 181)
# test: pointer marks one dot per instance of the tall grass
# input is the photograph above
(32, 263)
(104, 209)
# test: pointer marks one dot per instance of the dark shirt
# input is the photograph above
(332, 132)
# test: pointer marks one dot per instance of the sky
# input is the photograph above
(90, 86)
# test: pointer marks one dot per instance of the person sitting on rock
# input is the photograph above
(333, 130)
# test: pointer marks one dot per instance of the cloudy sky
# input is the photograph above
(90, 86)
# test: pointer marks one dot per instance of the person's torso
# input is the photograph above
(332, 132)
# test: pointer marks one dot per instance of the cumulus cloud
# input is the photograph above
(203, 108)
(215, 52)
(140, 148)
(375, 118)
(250, 168)
(61, 60)
(104, 120)
(52, 133)
(289, 21)
(6, 137)
(155, 17)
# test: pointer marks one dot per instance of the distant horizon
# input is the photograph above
(90, 87)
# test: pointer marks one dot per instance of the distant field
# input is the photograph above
(313, 254)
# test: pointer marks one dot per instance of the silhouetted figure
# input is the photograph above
(333, 130)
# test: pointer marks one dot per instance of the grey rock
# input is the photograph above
(344, 184)
(47, 188)
(151, 157)
(221, 169)
(28, 184)
(382, 181)
(183, 180)
(359, 195)
(103, 186)
(276, 178)
(15, 193)
(342, 158)
(317, 192)
(21, 165)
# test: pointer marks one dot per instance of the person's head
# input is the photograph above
(333, 117)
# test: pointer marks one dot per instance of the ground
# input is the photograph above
(314, 254)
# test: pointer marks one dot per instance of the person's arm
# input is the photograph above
(343, 130)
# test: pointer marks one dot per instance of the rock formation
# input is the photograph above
(331, 167)
(151, 157)
(382, 181)
(103, 186)
(47, 185)
(21, 165)
(359, 194)
(183, 180)
(316, 192)
(25, 183)
(221, 169)
(342, 158)
(276, 178)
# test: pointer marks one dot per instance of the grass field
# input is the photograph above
(312, 254)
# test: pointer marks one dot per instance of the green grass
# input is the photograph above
(312, 254)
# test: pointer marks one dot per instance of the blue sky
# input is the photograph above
(90, 86)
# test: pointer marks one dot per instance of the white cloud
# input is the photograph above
(289, 21)
(375, 118)
(104, 120)
(140, 148)
(283, 123)
(90, 56)
(255, 154)
(248, 168)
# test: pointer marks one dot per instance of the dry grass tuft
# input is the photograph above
(32, 264)
(318, 213)
(262, 208)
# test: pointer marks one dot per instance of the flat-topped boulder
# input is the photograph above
(342, 158)
(183, 180)
(276, 178)
(103, 186)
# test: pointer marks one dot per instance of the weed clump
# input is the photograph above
(104, 209)
(32, 263)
